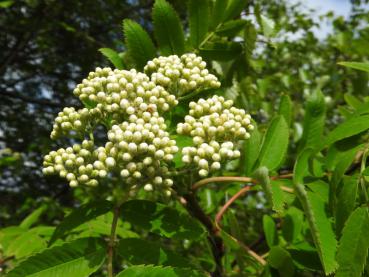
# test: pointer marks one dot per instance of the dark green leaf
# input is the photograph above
(199, 20)
(158, 271)
(280, 259)
(160, 219)
(354, 243)
(346, 201)
(275, 143)
(301, 168)
(137, 251)
(270, 231)
(78, 258)
(218, 13)
(221, 51)
(113, 57)
(167, 29)
(314, 121)
(292, 224)
(231, 28)
(139, 44)
(81, 215)
(251, 150)
(234, 8)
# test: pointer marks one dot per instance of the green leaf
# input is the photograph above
(139, 44)
(346, 201)
(320, 227)
(234, 8)
(221, 51)
(352, 101)
(167, 29)
(285, 109)
(160, 219)
(251, 150)
(6, 4)
(350, 127)
(138, 251)
(218, 13)
(278, 196)
(181, 142)
(314, 121)
(231, 28)
(79, 216)
(249, 39)
(25, 244)
(33, 217)
(8, 234)
(113, 57)
(158, 271)
(354, 243)
(292, 224)
(78, 258)
(275, 143)
(301, 168)
(199, 20)
(356, 65)
(281, 260)
(270, 231)
(268, 26)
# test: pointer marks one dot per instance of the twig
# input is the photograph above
(112, 239)
(218, 219)
(216, 243)
(222, 179)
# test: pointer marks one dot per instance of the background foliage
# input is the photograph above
(312, 117)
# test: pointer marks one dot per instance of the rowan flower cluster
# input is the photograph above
(181, 74)
(139, 149)
(216, 127)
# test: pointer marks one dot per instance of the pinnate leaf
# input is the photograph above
(78, 258)
(113, 57)
(81, 215)
(139, 44)
(199, 20)
(161, 219)
(167, 29)
(158, 271)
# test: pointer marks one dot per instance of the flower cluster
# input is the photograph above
(139, 150)
(216, 127)
(181, 74)
(70, 120)
(121, 91)
(73, 163)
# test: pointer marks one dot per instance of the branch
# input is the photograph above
(216, 243)
(111, 244)
(218, 219)
(222, 179)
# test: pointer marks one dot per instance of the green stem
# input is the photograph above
(112, 239)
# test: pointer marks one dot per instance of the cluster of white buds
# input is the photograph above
(73, 163)
(181, 74)
(141, 148)
(72, 121)
(121, 91)
(216, 127)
